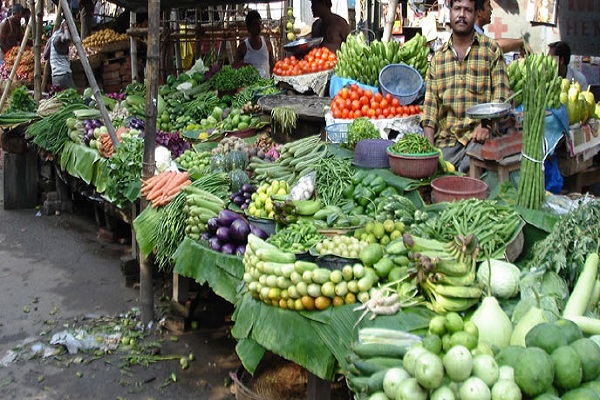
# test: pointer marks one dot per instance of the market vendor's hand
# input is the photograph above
(480, 134)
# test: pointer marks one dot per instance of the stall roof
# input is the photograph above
(142, 5)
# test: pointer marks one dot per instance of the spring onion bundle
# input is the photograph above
(531, 191)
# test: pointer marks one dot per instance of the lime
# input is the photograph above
(568, 371)
(454, 322)
(463, 338)
(437, 325)
(433, 343)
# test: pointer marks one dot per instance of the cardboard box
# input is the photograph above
(584, 138)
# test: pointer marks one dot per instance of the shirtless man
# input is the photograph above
(331, 27)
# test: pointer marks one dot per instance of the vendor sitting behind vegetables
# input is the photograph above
(255, 50)
(331, 27)
(468, 70)
(57, 51)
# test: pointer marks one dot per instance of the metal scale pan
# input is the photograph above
(489, 110)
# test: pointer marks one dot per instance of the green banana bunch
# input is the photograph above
(445, 272)
(547, 66)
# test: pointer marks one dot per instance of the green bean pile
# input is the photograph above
(413, 143)
(171, 232)
(333, 175)
(491, 223)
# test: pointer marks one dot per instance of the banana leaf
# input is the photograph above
(83, 162)
(145, 227)
(222, 272)
(316, 340)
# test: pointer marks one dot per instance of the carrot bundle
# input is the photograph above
(162, 188)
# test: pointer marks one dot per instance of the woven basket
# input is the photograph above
(371, 153)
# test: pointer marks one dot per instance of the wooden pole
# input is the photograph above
(390, 18)
(133, 48)
(89, 73)
(47, 72)
(152, 70)
(37, 15)
(13, 72)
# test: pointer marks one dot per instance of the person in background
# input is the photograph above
(331, 27)
(484, 17)
(468, 70)
(57, 52)
(86, 15)
(563, 52)
(255, 49)
(10, 30)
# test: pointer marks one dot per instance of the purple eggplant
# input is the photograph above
(239, 231)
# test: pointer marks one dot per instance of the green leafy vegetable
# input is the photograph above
(21, 100)
(228, 78)
(360, 129)
(124, 171)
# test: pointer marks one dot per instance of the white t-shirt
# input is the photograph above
(578, 76)
(259, 58)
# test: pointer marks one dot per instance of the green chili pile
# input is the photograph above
(413, 143)
(333, 175)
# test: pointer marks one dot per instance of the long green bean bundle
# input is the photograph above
(333, 175)
(531, 191)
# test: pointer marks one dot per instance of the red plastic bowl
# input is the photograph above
(450, 188)
(413, 166)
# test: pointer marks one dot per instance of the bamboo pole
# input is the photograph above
(89, 73)
(152, 70)
(13, 72)
(47, 72)
(37, 15)
(133, 48)
(390, 18)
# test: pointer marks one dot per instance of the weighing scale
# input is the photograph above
(498, 146)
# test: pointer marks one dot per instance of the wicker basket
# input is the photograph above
(371, 153)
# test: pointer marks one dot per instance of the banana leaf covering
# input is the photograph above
(85, 163)
(316, 340)
(222, 272)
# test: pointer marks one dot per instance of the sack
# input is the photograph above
(552, 176)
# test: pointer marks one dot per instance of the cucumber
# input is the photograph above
(369, 366)
(276, 255)
(320, 275)
(375, 383)
(301, 266)
(370, 350)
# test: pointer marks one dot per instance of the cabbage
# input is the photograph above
(505, 278)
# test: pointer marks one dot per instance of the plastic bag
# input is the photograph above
(304, 189)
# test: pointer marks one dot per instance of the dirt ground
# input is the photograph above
(58, 274)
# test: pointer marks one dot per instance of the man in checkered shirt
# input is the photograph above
(468, 70)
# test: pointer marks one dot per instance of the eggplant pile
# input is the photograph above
(228, 233)
(243, 197)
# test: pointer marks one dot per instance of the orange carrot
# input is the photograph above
(158, 187)
(153, 181)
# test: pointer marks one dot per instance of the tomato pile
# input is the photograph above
(317, 59)
(355, 102)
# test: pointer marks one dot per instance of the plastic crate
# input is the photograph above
(337, 133)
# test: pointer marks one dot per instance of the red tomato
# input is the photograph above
(377, 97)
(356, 105)
(395, 102)
(369, 94)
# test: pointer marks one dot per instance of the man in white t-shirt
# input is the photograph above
(255, 50)
(562, 50)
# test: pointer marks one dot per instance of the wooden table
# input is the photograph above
(502, 167)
